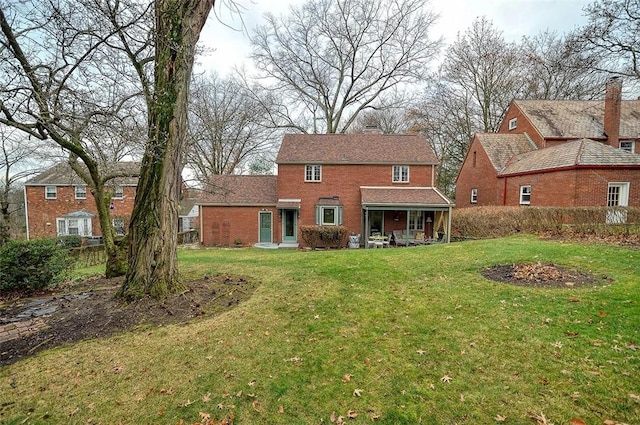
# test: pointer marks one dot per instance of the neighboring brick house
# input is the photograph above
(59, 203)
(366, 182)
(557, 153)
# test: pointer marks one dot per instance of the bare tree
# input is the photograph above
(228, 128)
(17, 157)
(612, 35)
(488, 69)
(329, 60)
(153, 257)
(557, 70)
(65, 80)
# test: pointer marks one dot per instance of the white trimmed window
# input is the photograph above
(400, 174)
(74, 226)
(118, 226)
(525, 195)
(513, 123)
(118, 191)
(81, 192)
(628, 146)
(50, 192)
(474, 195)
(313, 173)
(329, 215)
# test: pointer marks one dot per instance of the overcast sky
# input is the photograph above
(514, 17)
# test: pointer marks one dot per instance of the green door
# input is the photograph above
(265, 227)
(289, 225)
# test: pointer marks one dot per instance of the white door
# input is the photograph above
(617, 201)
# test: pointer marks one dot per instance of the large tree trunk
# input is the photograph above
(153, 232)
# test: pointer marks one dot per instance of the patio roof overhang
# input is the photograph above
(414, 198)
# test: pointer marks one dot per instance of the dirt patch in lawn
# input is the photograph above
(540, 275)
(90, 310)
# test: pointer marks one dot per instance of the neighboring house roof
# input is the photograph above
(236, 190)
(403, 196)
(368, 148)
(502, 147)
(79, 214)
(62, 174)
(573, 119)
(584, 152)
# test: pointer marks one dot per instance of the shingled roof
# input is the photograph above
(237, 190)
(62, 174)
(368, 148)
(500, 148)
(403, 196)
(584, 152)
(575, 119)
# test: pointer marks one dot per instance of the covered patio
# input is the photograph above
(404, 216)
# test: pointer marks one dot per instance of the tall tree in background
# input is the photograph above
(153, 257)
(63, 81)
(329, 60)
(228, 128)
(487, 69)
(555, 69)
(612, 36)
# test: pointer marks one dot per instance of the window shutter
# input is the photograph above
(340, 216)
(318, 215)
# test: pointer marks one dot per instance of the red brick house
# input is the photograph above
(59, 203)
(557, 153)
(368, 183)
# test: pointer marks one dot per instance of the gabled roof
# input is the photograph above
(584, 152)
(237, 190)
(403, 197)
(62, 174)
(502, 147)
(368, 148)
(575, 119)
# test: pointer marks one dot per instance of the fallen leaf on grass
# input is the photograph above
(446, 378)
(500, 418)
(256, 405)
(352, 414)
(205, 417)
(357, 392)
(206, 398)
(421, 352)
(540, 419)
(577, 421)
(281, 409)
(636, 397)
(346, 378)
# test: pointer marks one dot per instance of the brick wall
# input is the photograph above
(224, 226)
(523, 126)
(343, 181)
(571, 188)
(42, 213)
(480, 175)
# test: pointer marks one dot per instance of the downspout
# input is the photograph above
(504, 193)
(26, 211)
(201, 228)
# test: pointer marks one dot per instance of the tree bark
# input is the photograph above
(153, 232)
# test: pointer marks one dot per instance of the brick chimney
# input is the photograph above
(612, 106)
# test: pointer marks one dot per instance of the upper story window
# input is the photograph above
(628, 146)
(50, 192)
(312, 173)
(400, 173)
(525, 195)
(81, 192)
(474, 195)
(118, 191)
(513, 123)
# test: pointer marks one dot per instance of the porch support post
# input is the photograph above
(449, 226)
(366, 228)
(406, 243)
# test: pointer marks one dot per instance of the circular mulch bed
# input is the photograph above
(540, 275)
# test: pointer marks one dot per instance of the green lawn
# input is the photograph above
(399, 336)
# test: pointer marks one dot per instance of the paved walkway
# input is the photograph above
(15, 330)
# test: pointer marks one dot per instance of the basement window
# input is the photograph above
(513, 123)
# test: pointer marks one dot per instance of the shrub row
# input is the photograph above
(29, 266)
(491, 222)
(327, 236)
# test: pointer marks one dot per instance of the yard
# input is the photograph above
(415, 335)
